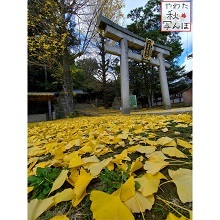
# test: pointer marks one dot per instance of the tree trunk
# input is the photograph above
(149, 100)
(152, 98)
(104, 70)
(67, 86)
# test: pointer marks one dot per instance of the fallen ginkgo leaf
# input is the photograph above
(96, 168)
(139, 203)
(154, 164)
(173, 152)
(171, 216)
(136, 165)
(183, 181)
(147, 186)
(79, 190)
(184, 143)
(146, 149)
(164, 140)
(65, 195)
(108, 207)
(127, 190)
(59, 181)
(36, 207)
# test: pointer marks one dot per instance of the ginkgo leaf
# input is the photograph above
(177, 133)
(77, 142)
(37, 152)
(86, 149)
(146, 149)
(183, 180)
(103, 151)
(171, 216)
(59, 181)
(30, 188)
(123, 166)
(136, 165)
(110, 166)
(184, 143)
(132, 149)
(152, 135)
(164, 140)
(171, 143)
(36, 207)
(57, 151)
(180, 125)
(32, 161)
(149, 142)
(148, 186)
(56, 162)
(158, 155)
(92, 159)
(108, 207)
(154, 165)
(157, 175)
(70, 145)
(60, 217)
(123, 156)
(139, 203)
(50, 146)
(123, 136)
(75, 160)
(65, 195)
(74, 173)
(70, 156)
(100, 149)
(79, 190)
(164, 130)
(138, 131)
(173, 152)
(127, 190)
(96, 168)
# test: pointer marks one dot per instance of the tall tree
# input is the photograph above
(59, 31)
(115, 14)
(146, 23)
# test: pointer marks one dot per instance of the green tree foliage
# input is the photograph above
(146, 23)
(40, 79)
(87, 76)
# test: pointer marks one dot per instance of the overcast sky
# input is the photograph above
(186, 36)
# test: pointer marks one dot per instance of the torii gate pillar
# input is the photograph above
(124, 77)
(163, 82)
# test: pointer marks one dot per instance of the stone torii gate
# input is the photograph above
(127, 40)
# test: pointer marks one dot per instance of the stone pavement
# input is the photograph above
(163, 111)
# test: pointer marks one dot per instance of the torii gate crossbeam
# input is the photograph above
(127, 40)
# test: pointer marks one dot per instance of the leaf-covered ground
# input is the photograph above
(111, 167)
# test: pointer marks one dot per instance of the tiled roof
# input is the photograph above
(41, 96)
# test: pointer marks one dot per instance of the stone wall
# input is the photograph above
(38, 117)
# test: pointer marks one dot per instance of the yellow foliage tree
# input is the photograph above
(59, 32)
